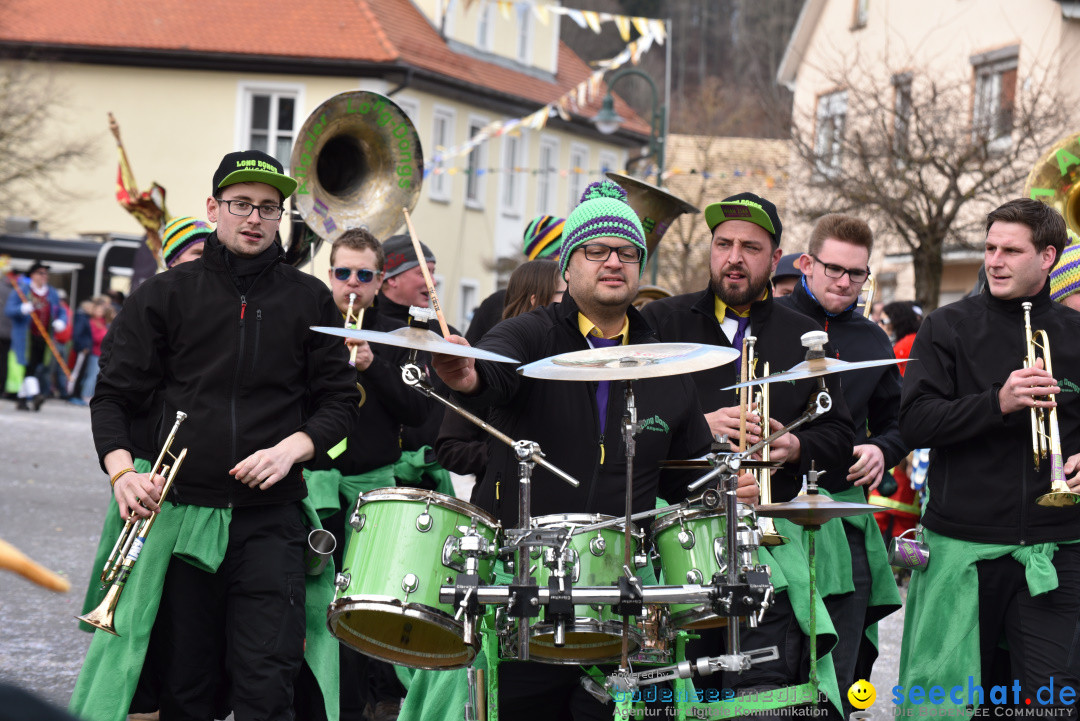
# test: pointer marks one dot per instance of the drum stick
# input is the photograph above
(427, 276)
(13, 559)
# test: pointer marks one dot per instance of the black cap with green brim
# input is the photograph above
(749, 207)
(252, 166)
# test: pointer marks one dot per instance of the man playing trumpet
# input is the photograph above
(1002, 567)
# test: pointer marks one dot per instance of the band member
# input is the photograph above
(834, 269)
(1065, 277)
(786, 276)
(577, 423)
(30, 353)
(225, 339)
(183, 239)
(1002, 567)
(746, 232)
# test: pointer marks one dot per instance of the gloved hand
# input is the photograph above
(58, 326)
(27, 308)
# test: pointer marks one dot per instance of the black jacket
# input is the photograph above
(827, 440)
(982, 478)
(562, 417)
(246, 369)
(872, 394)
(487, 314)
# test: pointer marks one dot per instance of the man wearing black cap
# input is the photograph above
(786, 276)
(35, 297)
(226, 340)
(738, 303)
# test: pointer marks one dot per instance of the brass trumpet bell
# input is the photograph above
(358, 162)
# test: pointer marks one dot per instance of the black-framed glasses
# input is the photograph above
(364, 275)
(243, 209)
(856, 275)
(599, 253)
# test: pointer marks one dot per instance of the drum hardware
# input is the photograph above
(129, 543)
(626, 683)
(811, 509)
(1045, 433)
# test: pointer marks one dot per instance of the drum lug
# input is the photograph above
(694, 576)
(424, 522)
(409, 584)
(342, 580)
(641, 560)
(358, 519)
(720, 553)
(450, 547)
(686, 538)
(598, 545)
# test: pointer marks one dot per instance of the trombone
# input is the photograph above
(130, 542)
(1045, 436)
(769, 535)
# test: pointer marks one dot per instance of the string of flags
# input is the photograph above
(572, 100)
(592, 19)
(770, 175)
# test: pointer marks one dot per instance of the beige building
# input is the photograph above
(189, 81)
(995, 49)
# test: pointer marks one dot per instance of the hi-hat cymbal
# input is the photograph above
(705, 463)
(819, 367)
(415, 339)
(814, 509)
(630, 362)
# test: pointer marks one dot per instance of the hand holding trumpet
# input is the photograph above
(1023, 388)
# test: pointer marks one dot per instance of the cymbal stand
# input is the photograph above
(630, 584)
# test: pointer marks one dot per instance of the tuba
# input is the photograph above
(358, 162)
(1045, 436)
(1054, 180)
(129, 544)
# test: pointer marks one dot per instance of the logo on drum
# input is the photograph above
(656, 423)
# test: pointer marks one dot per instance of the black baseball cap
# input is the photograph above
(749, 207)
(36, 266)
(787, 267)
(252, 166)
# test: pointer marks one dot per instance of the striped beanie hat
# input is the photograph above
(1065, 277)
(543, 237)
(180, 234)
(602, 213)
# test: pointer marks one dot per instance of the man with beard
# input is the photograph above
(745, 249)
(577, 424)
(834, 268)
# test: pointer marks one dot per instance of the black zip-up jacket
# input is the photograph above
(562, 417)
(246, 368)
(827, 440)
(386, 405)
(872, 394)
(982, 478)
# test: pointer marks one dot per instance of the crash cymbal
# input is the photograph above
(416, 339)
(814, 509)
(630, 362)
(819, 367)
(705, 463)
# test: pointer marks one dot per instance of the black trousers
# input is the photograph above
(238, 633)
(532, 691)
(1042, 632)
(848, 614)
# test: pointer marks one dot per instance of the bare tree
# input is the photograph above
(921, 159)
(30, 158)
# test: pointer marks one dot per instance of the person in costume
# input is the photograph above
(30, 354)
(1003, 570)
(577, 423)
(746, 235)
(1065, 277)
(834, 269)
(183, 239)
(542, 240)
(221, 580)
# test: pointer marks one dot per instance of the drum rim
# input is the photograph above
(582, 519)
(423, 495)
(665, 522)
(419, 611)
(612, 629)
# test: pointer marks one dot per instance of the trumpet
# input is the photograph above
(1045, 436)
(865, 302)
(769, 535)
(353, 322)
(129, 544)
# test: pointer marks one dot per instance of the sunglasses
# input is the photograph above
(364, 275)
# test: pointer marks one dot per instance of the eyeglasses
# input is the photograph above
(856, 275)
(364, 275)
(243, 209)
(599, 253)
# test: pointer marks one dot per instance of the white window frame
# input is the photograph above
(476, 160)
(244, 97)
(862, 14)
(525, 33)
(511, 183)
(465, 285)
(485, 27)
(608, 160)
(830, 119)
(439, 185)
(576, 183)
(989, 70)
(547, 177)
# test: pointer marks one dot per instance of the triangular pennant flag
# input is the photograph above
(623, 24)
(641, 25)
(659, 32)
(593, 19)
(578, 17)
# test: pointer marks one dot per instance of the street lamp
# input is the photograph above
(607, 121)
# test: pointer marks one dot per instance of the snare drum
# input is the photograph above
(692, 546)
(403, 547)
(595, 559)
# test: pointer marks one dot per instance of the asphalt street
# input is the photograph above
(52, 499)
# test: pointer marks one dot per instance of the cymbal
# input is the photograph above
(819, 367)
(704, 463)
(630, 362)
(814, 509)
(415, 339)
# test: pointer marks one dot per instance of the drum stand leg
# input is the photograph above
(630, 429)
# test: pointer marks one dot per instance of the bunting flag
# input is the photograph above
(770, 175)
(592, 19)
(147, 207)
